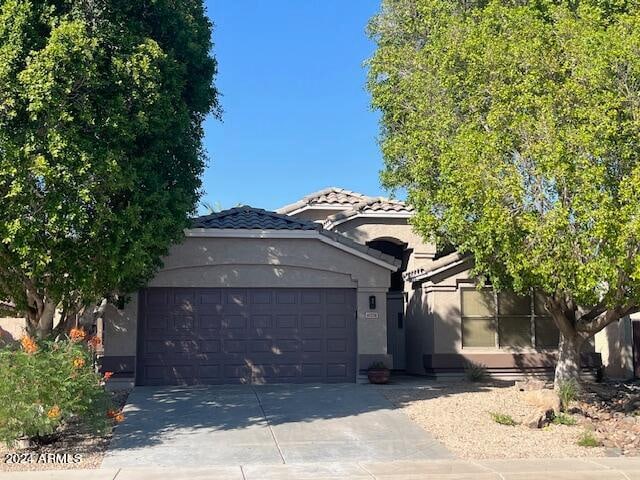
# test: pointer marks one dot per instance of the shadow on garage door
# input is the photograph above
(259, 335)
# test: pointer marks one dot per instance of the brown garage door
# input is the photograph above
(222, 335)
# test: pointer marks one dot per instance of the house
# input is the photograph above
(318, 291)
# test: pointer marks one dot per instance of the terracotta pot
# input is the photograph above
(379, 376)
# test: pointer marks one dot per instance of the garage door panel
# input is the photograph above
(190, 336)
(209, 321)
(234, 322)
(286, 321)
(336, 321)
(261, 322)
(210, 297)
(235, 298)
(286, 298)
(234, 346)
(336, 297)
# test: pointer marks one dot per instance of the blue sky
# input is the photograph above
(296, 111)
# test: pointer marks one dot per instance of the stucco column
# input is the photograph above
(372, 328)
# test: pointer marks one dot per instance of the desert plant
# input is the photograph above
(564, 419)
(45, 384)
(588, 439)
(377, 366)
(503, 419)
(476, 372)
(567, 391)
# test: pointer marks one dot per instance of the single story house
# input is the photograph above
(318, 291)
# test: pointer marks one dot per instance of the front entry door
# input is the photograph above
(396, 329)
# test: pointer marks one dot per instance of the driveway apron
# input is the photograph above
(261, 425)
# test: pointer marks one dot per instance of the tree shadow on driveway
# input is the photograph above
(265, 424)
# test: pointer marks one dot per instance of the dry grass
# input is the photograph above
(459, 415)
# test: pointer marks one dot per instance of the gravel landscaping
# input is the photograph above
(459, 415)
(88, 447)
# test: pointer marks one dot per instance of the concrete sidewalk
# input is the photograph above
(618, 468)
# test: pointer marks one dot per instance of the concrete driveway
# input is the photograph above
(256, 425)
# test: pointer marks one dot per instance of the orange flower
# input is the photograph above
(117, 415)
(76, 335)
(112, 413)
(108, 375)
(94, 342)
(29, 345)
(78, 362)
(54, 412)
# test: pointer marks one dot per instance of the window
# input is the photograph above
(478, 318)
(547, 334)
(514, 320)
(505, 320)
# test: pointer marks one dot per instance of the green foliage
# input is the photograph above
(568, 391)
(513, 126)
(378, 366)
(41, 391)
(503, 419)
(588, 439)
(101, 111)
(564, 419)
(476, 372)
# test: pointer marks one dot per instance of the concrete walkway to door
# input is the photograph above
(260, 425)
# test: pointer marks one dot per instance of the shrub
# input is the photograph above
(564, 419)
(45, 384)
(588, 439)
(476, 372)
(567, 391)
(503, 419)
(377, 366)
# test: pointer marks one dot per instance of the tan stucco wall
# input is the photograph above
(418, 319)
(364, 230)
(11, 329)
(277, 263)
(316, 214)
(615, 344)
(120, 329)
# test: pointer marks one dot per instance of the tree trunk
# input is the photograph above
(568, 366)
(40, 323)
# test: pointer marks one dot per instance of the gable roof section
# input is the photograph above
(441, 266)
(252, 222)
(331, 197)
(372, 206)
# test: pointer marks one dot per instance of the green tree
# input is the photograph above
(101, 111)
(515, 128)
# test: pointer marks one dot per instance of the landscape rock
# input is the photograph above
(529, 384)
(544, 399)
(539, 418)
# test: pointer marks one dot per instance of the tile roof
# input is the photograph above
(330, 197)
(371, 205)
(440, 265)
(249, 218)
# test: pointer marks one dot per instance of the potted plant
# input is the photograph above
(378, 373)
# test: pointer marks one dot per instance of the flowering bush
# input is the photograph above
(45, 384)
